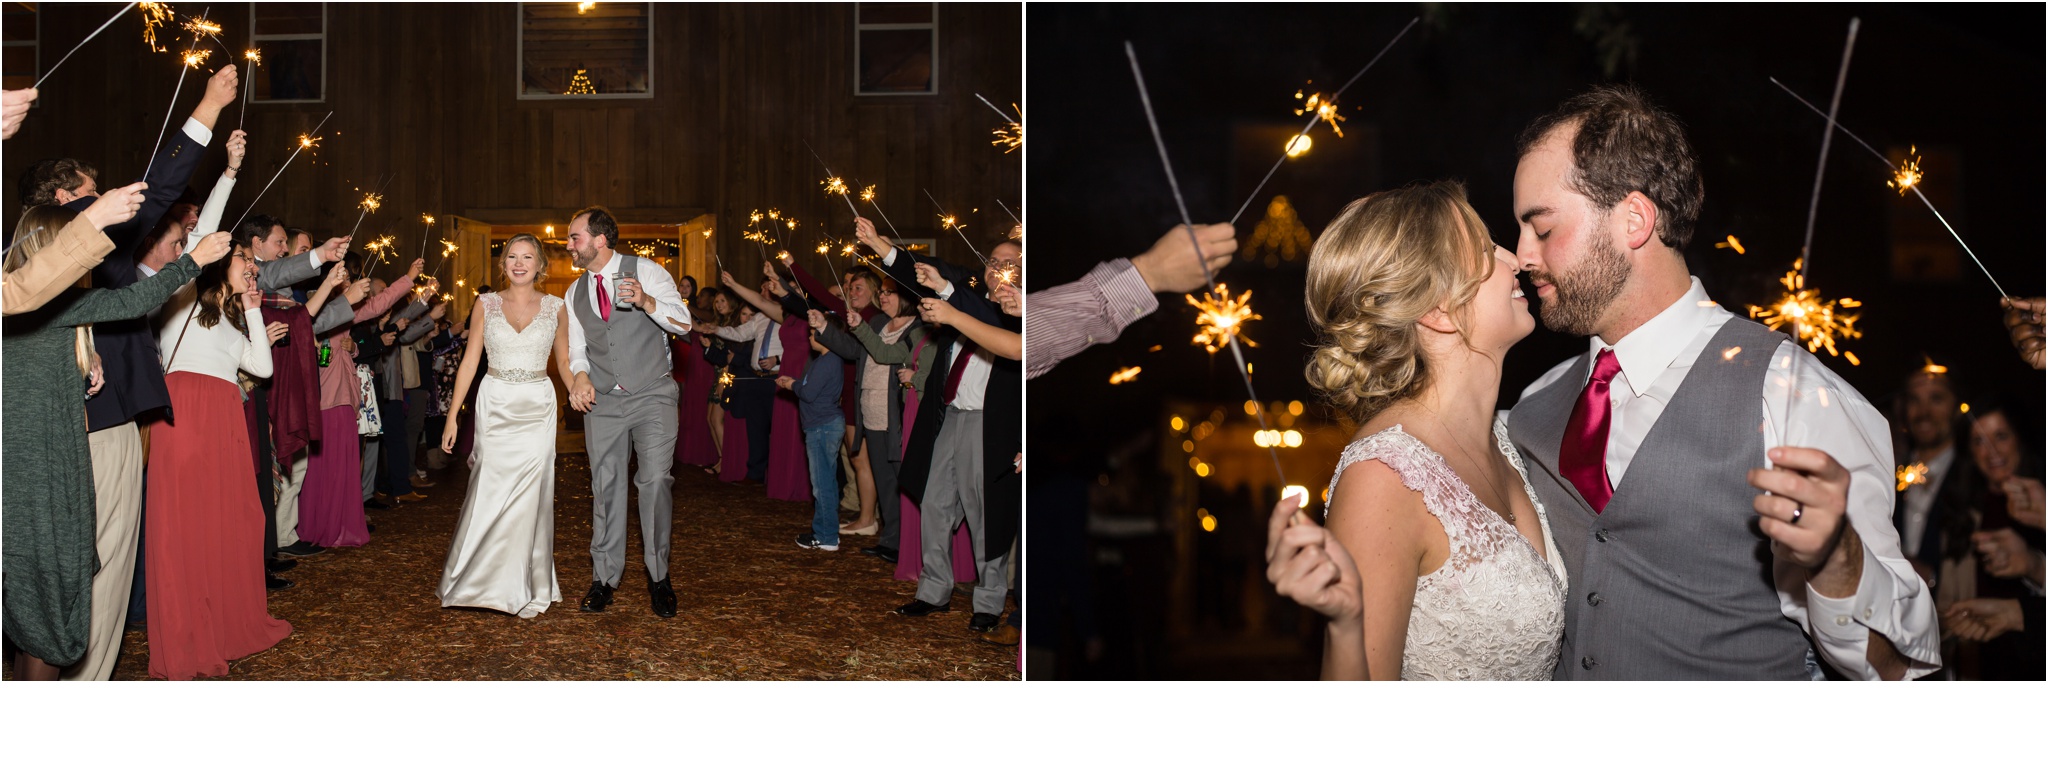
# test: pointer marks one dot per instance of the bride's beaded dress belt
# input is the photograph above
(515, 375)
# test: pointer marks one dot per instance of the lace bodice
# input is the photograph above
(519, 355)
(1495, 609)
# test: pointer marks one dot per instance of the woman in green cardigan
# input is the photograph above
(48, 506)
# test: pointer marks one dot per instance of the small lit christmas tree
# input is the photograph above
(1280, 236)
(580, 84)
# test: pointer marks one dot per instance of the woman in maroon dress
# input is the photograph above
(694, 377)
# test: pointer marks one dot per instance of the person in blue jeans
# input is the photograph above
(817, 398)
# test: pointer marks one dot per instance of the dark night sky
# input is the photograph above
(1448, 101)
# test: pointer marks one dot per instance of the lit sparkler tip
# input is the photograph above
(824, 247)
(371, 201)
(448, 248)
(753, 217)
(153, 16)
(197, 57)
(1010, 137)
(1818, 323)
(774, 214)
(1909, 173)
(203, 27)
(1909, 475)
(707, 233)
(1325, 110)
(791, 223)
(848, 250)
(950, 222)
(428, 219)
(866, 193)
(1222, 319)
(1125, 375)
(836, 186)
(254, 56)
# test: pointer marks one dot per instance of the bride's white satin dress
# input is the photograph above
(503, 556)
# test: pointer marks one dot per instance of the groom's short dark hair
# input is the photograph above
(1624, 143)
(601, 225)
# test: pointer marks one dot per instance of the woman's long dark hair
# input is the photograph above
(215, 289)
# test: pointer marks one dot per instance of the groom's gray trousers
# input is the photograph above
(645, 421)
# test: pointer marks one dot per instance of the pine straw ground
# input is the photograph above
(752, 605)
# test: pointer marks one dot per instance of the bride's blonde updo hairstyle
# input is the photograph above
(1384, 263)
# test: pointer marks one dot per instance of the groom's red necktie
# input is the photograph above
(604, 300)
(1582, 458)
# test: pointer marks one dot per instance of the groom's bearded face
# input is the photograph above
(1584, 287)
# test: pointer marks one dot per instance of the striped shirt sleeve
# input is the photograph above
(1066, 319)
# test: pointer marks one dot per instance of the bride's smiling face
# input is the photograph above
(522, 264)
(1499, 315)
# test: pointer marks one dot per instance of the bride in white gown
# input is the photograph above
(503, 555)
(1456, 575)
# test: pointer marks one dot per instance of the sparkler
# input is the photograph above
(429, 220)
(1909, 475)
(370, 203)
(255, 58)
(1906, 176)
(1011, 135)
(834, 185)
(1125, 375)
(1316, 116)
(95, 34)
(306, 141)
(191, 60)
(947, 221)
(1188, 223)
(867, 194)
(1733, 243)
(1324, 110)
(1222, 319)
(1819, 323)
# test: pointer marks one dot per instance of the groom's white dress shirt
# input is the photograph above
(671, 314)
(1826, 414)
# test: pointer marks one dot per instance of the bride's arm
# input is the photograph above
(562, 345)
(1382, 525)
(470, 354)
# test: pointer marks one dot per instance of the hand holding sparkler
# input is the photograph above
(213, 248)
(937, 312)
(14, 106)
(1308, 565)
(864, 230)
(1803, 511)
(115, 207)
(2023, 321)
(238, 148)
(1171, 266)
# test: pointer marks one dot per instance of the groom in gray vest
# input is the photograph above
(1687, 557)
(622, 310)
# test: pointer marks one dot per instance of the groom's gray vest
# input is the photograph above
(628, 351)
(1672, 581)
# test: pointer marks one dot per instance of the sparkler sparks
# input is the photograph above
(254, 56)
(448, 248)
(1222, 319)
(202, 27)
(1908, 173)
(1810, 319)
(1910, 475)
(836, 186)
(1324, 110)
(196, 57)
(753, 217)
(1010, 137)
(371, 202)
(1125, 375)
(154, 15)
(866, 193)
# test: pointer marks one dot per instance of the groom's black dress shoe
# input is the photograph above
(919, 608)
(598, 598)
(664, 598)
(982, 622)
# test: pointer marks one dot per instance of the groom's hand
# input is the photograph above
(1804, 514)
(581, 394)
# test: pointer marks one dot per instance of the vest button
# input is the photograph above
(1587, 662)
(1600, 535)
(1594, 599)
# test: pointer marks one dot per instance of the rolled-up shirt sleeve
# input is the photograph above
(1890, 600)
(1066, 319)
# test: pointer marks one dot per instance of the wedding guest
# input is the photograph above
(962, 455)
(1933, 515)
(1097, 307)
(860, 284)
(788, 477)
(66, 258)
(817, 391)
(206, 597)
(330, 506)
(886, 346)
(59, 612)
(2009, 648)
(693, 379)
(449, 340)
(751, 397)
(714, 309)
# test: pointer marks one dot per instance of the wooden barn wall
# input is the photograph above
(424, 93)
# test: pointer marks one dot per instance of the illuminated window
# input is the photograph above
(293, 40)
(896, 49)
(572, 51)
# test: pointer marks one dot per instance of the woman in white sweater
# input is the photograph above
(204, 545)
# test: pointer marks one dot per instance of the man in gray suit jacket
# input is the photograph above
(621, 312)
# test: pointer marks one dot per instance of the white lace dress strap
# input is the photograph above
(1514, 455)
(1422, 470)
